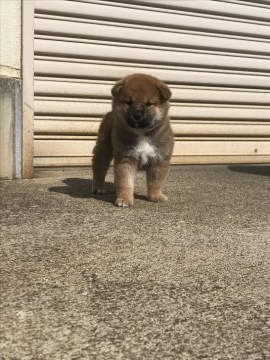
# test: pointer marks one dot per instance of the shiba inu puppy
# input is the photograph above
(137, 135)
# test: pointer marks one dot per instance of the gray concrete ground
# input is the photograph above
(187, 279)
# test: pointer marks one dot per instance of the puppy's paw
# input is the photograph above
(123, 203)
(157, 197)
(98, 191)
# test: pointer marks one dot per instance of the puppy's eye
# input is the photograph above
(149, 103)
(128, 102)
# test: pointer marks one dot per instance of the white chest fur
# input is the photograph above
(144, 151)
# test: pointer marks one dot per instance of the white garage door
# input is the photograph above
(213, 54)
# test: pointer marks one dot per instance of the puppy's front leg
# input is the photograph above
(125, 173)
(156, 175)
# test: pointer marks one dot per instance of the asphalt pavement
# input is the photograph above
(185, 279)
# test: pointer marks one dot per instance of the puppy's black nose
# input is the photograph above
(137, 114)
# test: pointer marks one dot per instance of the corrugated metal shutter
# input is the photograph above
(213, 54)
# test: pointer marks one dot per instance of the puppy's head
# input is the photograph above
(141, 101)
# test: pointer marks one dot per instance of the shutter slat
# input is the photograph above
(153, 16)
(102, 89)
(72, 27)
(195, 111)
(114, 70)
(83, 148)
(150, 55)
(180, 128)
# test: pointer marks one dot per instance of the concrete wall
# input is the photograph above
(10, 88)
(10, 128)
(10, 38)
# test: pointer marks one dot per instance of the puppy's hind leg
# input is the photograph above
(102, 156)
(156, 175)
(101, 162)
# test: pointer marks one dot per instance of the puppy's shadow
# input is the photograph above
(82, 188)
(263, 170)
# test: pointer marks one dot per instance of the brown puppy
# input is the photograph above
(138, 135)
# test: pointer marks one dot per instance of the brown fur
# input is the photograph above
(138, 135)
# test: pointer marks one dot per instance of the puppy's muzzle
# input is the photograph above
(137, 115)
(138, 119)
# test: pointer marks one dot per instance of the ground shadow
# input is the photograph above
(81, 188)
(263, 170)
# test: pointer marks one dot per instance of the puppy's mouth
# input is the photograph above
(138, 123)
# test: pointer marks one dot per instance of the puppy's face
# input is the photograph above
(140, 101)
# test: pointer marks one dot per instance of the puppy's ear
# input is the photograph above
(164, 91)
(117, 87)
